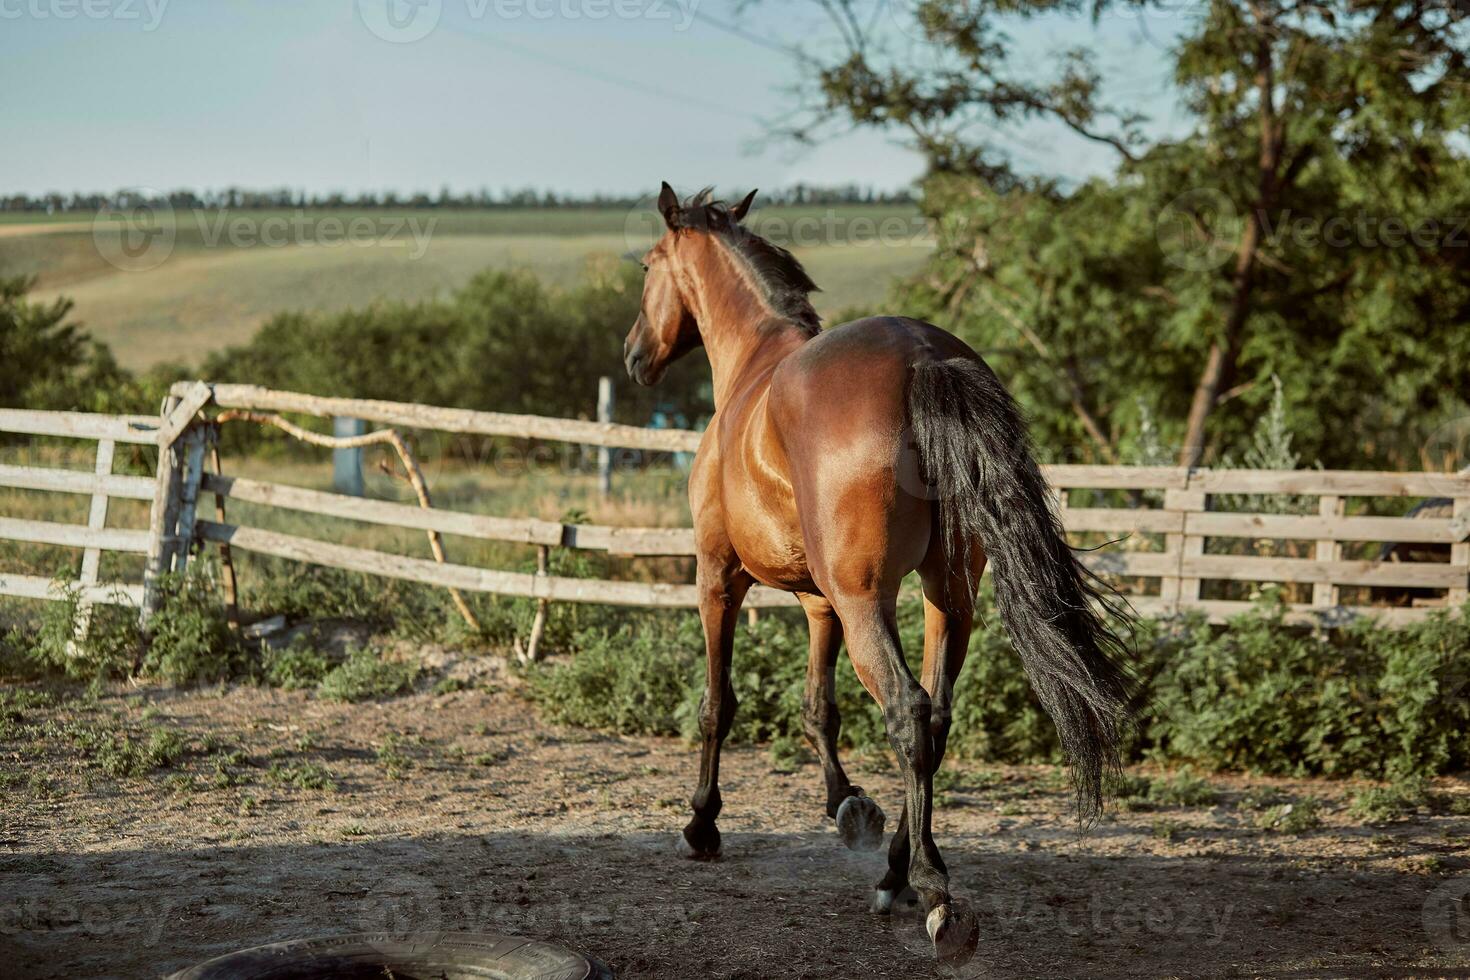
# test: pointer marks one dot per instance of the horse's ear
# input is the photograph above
(668, 205)
(739, 211)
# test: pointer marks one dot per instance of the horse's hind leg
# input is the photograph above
(908, 711)
(946, 642)
(859, 820)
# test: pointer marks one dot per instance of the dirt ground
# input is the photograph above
(286, 816)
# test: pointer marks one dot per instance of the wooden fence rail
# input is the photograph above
(1181, 538)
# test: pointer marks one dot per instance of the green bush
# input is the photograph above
(189, 640)
(1264, 697)
(293, 667)
(365, 676)
(1385, 804)
(1256, 695)
(110, 646)
(633, 680)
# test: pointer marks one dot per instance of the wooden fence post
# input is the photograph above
(1460, 552)
(1184, 589)
(543, 610)
(163, 491)
(604, 453)
(1325, 595)
(92, 557)
(175, 418)
(192, 474)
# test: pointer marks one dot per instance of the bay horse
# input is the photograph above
(837, 462)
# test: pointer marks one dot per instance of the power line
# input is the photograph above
(735, 30)
(607, 78)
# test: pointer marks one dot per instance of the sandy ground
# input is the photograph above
(461, 811)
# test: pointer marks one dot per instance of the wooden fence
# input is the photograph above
(1159, 505)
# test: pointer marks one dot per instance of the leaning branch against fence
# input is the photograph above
(381, 437)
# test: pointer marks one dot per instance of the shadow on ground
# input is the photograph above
(778, 905)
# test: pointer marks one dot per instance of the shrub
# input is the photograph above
(109, 647)
(1183, 788)
(1296, 817)
(189, 641)
(1385, 804)
(1265, 697)
(365, 676)
(293, 667)
(633, 680)
(1256, 695)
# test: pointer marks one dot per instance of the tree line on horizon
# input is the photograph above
(238, 198)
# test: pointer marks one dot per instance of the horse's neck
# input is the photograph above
(743, 336)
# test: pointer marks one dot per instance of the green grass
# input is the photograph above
(364, 676)
(206, 296)
(1296, 817)
(302, 775)
(1386, 804)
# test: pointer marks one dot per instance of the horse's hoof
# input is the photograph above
(699, 844)
(860, 823)
(884, 899)
(955, 932)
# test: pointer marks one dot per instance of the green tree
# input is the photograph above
(47, 361)
(1309, 224)
(505, 342)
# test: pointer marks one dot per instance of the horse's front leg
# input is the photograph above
(859, 820)
(722, 587)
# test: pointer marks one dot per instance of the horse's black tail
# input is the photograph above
(976, 456)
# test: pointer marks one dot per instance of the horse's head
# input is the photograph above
(666, 328)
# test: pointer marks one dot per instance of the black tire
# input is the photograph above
(416, 956)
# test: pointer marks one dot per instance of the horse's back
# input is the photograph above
(839, 405)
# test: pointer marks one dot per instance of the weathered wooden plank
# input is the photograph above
(1116, 477)
(160, 516)
(412, 416)
(1248, 568)
(73, 481)
(36, 587)
(1185, 590)
(1122, 519)
(178, 417)
(136, 429)
(1341, 482)
(556, 588)
(631, 540)
(92, 557)
(1325, 594)
(523, 530)
(1328, 526)
(73, 535)
(1459, 593)
(193, 472)
(97, 515)
(1115, 561)
(1301, 614)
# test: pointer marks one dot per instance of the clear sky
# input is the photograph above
(568, 95)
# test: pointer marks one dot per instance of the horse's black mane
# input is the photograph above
(777, 272)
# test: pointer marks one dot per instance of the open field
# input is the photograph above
(227, 273)
(277, 815)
